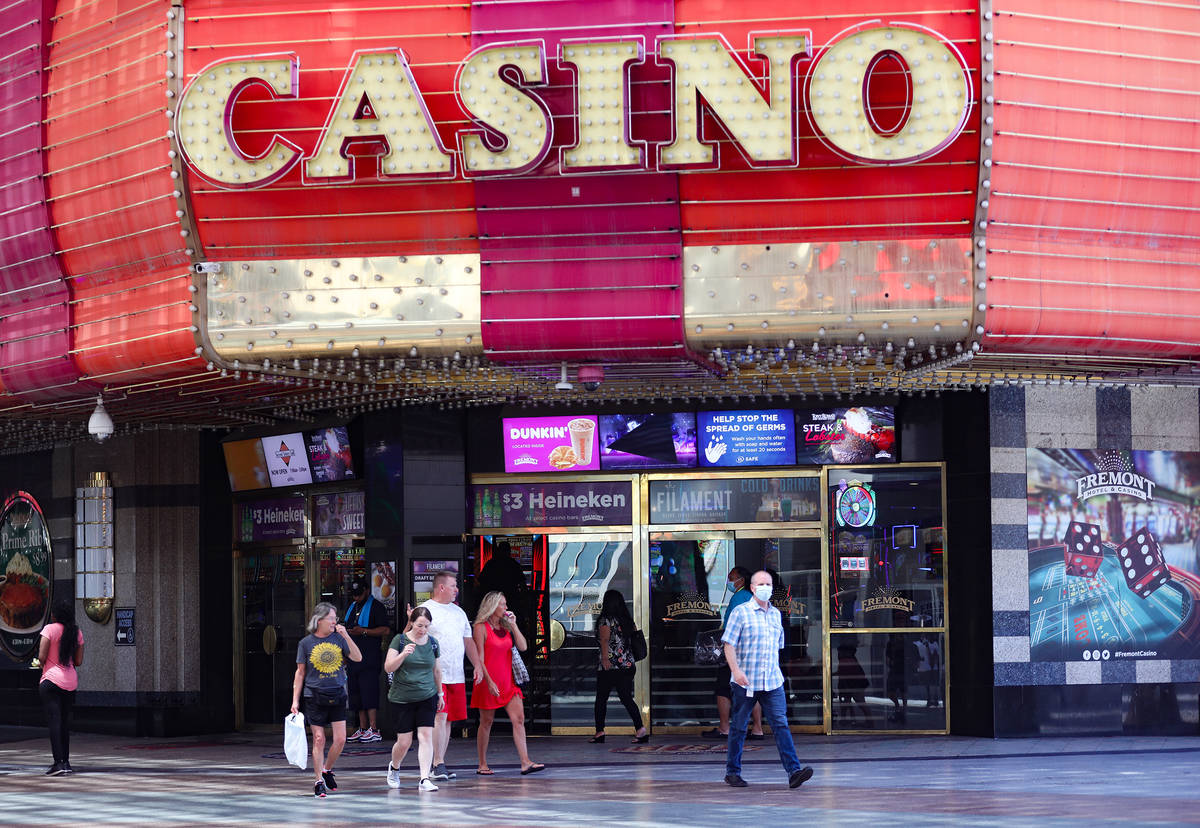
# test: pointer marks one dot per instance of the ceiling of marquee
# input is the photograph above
(343, 387)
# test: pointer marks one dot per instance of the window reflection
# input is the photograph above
(892, 681)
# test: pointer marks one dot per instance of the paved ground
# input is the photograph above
(673, 781)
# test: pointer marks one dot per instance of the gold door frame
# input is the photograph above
(944, 629)
(808, 532)
(241, 552)
(734, 530)
(631, 532)
(641, 530)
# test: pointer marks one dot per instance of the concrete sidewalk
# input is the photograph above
(673, 781)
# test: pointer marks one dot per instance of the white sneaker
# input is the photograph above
(393, 776)
(426, 785)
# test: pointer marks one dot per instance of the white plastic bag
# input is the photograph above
(295, 740)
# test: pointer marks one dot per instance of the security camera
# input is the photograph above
(100, 425)
(591, 376)
(564, 384)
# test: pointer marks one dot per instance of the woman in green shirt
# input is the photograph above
(416, 694)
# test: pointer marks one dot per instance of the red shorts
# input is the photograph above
(456, 702)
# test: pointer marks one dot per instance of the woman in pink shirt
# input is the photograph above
(60, 652)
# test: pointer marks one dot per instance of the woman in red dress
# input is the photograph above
(495, 635)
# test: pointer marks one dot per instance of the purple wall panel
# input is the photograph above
(35, 317)
(556, 248)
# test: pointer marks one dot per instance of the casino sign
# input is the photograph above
(380, 109)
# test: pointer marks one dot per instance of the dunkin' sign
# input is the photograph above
(759, 94)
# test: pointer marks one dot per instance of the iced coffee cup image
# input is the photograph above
(583, 432)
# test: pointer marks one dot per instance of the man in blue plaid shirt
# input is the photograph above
(753, 638)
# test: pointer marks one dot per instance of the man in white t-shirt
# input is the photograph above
(452, 630)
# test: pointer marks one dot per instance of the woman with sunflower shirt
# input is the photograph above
(321, 675)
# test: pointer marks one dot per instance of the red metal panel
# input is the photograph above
(289, 220)
(107, 145)
(111, 192)
(826, 198)
(554, 247)
(34, 338)
(1092, 233)
(136, 330)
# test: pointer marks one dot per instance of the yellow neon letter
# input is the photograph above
(940, 95)
(379, 101)
(203, 121)
(494, 101)
(764, 128)
(602, 110)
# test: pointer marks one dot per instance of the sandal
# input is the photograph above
(534, 768)
(485, 772)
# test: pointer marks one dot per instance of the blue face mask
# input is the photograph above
(733, 586)
(763, 592)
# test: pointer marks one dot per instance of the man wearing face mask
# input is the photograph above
(739, 588)
(753, 638)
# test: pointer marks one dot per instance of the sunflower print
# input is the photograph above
(326, 658)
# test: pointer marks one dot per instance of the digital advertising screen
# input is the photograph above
(647, 441)
(247, 465)
(1114, 554)
(839, 436)
(287, 459)
(746, 438)
(329, 454)
(551, 444)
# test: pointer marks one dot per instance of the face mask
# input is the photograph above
(733, 586)
(763, 592)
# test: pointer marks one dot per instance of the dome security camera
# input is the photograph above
(100, 425)
(591, 376)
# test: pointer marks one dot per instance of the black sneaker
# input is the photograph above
(330, 782)
(67, 769)
(800, 777)
(319, 790)
(735, 781)
(55, 769)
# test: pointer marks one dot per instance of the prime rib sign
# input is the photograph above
(760, 96)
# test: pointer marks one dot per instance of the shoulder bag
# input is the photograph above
(519, 670)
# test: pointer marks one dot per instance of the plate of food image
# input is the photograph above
(23, 600)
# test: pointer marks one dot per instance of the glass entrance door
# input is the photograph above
(793, 559)
(688, 596)
(274, 612)
(581, 568)
(886, 593)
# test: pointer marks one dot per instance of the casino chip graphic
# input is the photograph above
(326, 658)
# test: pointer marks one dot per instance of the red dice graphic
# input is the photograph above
(1083, 553)
(1142, 562)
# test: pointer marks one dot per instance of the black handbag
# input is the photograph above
(709, 647)
(637, 645)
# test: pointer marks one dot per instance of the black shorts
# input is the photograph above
(721, 682)
(408, 716)
(323, 714)
(363, 683)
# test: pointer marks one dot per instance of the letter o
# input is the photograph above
(940, 94)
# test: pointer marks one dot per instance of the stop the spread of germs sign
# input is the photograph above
(747, 438)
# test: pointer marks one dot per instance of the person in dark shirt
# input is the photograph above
(503, 573)
(367, 623)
